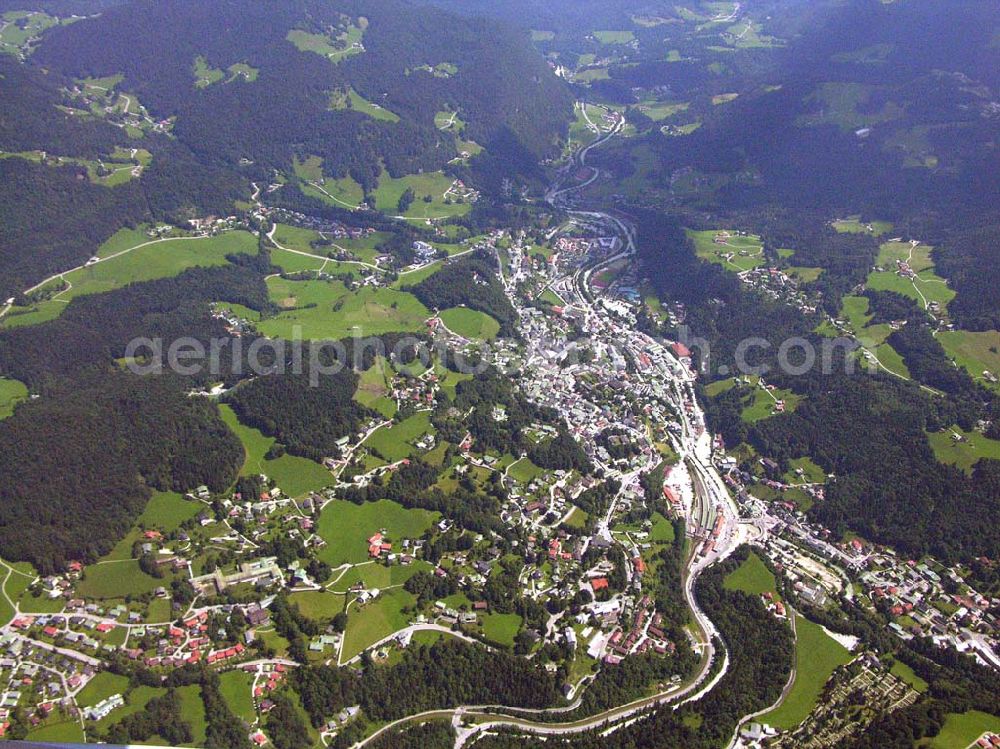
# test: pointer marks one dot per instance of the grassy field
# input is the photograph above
(318, 604)
(661, 110)
(854, 311)
(524, 471)
(853, 225)
(614, 37)
(962, 729)
(966, 453)
(377, 575)
(751, 577)
(368, 624)
(470, 323)
(816, 656)
(346, 527)
(356, 102)
(811, 473)
(117, 579)
(323, 310)
(976, 352)
(501, 628)
(236, 691)
(333, 49)
(12, 392)
(193, 711)
(373, 389)
(906, 673)
(662, 530)
(295, 475)
(762, 403)
(66, 731)
(433, 184)
(102, 686)
(923, 289)
(160, 259)
(166, 511)
(737, 254)
(845, 104)
(395, 442)
(343, 192)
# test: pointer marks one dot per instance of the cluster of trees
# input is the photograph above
(870, 432)
(286, 110)
(285, 726)
(85, 462)
(53, 219)
(161, 717)
(560, 452)
(88, 451)
(305, 414)
(451, 672)
(761, 651)
(470, 282)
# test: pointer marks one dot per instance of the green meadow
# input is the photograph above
(614, 37)
(12, 392)
(470, 323)
(962, 729)
(334, 49)
(377, 619)
(964, 453)
(117, 579)
(354, 101)
(429, 184)
(236, 688)
(501, 628)
(976, 352)
(155, 259)
(395, 442)
(853, 225)
(736, 253)
(346, 527)
(295, 475)
(752, 577)
(816, 656)
(374, 388)
(166, 511)
(326, 310)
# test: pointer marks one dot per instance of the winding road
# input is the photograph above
(696, 449)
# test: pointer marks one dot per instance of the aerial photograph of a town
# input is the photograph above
(500, 374)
